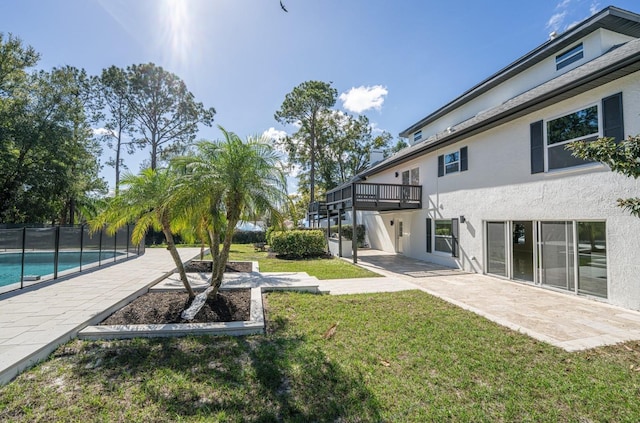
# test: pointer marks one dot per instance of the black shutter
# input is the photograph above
(537, 147)
(455, 232)
(464, 161)
(440, 166)
(428, 235)
(612, 119)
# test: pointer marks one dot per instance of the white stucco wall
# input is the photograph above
(499, 186)
(594, 45)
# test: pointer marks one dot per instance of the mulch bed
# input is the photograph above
(205, 266)
(166, 307)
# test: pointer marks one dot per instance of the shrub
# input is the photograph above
(270, 231)
(298, 244)
(247, 237)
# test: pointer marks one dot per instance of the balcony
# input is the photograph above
(380, 197)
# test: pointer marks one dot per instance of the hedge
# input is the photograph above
(248, 237)
(298, 244)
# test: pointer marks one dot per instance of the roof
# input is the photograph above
(618, 62)
(611, 18)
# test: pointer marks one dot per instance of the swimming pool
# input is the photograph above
(41, 263)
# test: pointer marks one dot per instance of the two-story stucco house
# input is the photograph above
(488, 186)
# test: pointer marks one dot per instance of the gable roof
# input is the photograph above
(618, 62)
(611, 18)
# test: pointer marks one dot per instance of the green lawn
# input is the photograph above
(321, 268)
(396, 357)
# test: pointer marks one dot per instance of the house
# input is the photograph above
(488, 186)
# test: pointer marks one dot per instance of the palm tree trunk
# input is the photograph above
(218, 271)
(171, 246)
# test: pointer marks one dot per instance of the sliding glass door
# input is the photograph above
(567, 255)
(496, 248)
(557, 255)
(592, 258)
(522, 248)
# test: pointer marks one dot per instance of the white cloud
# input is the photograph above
(555, 22)
(375, 129)
(102, 131)
(275, 134)
(363, 98)
(566, 9)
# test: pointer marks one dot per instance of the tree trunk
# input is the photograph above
(117, 166)
(218, 271)
(171, 246)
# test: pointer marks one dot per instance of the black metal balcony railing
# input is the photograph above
(376, 196)
(317, 206)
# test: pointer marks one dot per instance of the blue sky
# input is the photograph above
(395, 61)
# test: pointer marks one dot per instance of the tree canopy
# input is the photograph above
(344, 147)
(622, 157)
(48, 157)
(165, 112)
(304, 105)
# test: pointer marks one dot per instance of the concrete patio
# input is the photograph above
(562, 319)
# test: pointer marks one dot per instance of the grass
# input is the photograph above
(321, 268)
(403, 356)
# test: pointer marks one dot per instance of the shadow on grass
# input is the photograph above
(257, 378)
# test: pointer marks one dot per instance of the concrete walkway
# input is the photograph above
(562, 319)
(35, 321)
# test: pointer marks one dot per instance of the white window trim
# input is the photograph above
(435, 236)
(546, 135)
(457, 161)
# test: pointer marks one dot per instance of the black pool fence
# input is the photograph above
(33, 253)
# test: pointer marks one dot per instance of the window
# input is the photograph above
(452, 162)
(548, 139)
(580, 125)
(443, 236)
(411, 177)
(417, 136)
(568, 57)
(415, 176)
(456, 161)
(405, 177)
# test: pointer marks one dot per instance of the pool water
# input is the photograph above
(41, 263)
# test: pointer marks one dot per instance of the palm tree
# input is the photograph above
(228, 180)
(148, 202)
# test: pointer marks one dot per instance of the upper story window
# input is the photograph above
(550, 137)
(568, 57)
(452, 162)
(456, 161)
(580, 125)
(417, 136)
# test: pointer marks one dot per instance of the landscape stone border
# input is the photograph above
(255, 324)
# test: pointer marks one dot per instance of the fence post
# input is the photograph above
(24, 239)
(128, 235)
(115, 245)
(56, 253)
(100, 248)
(81, 244)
